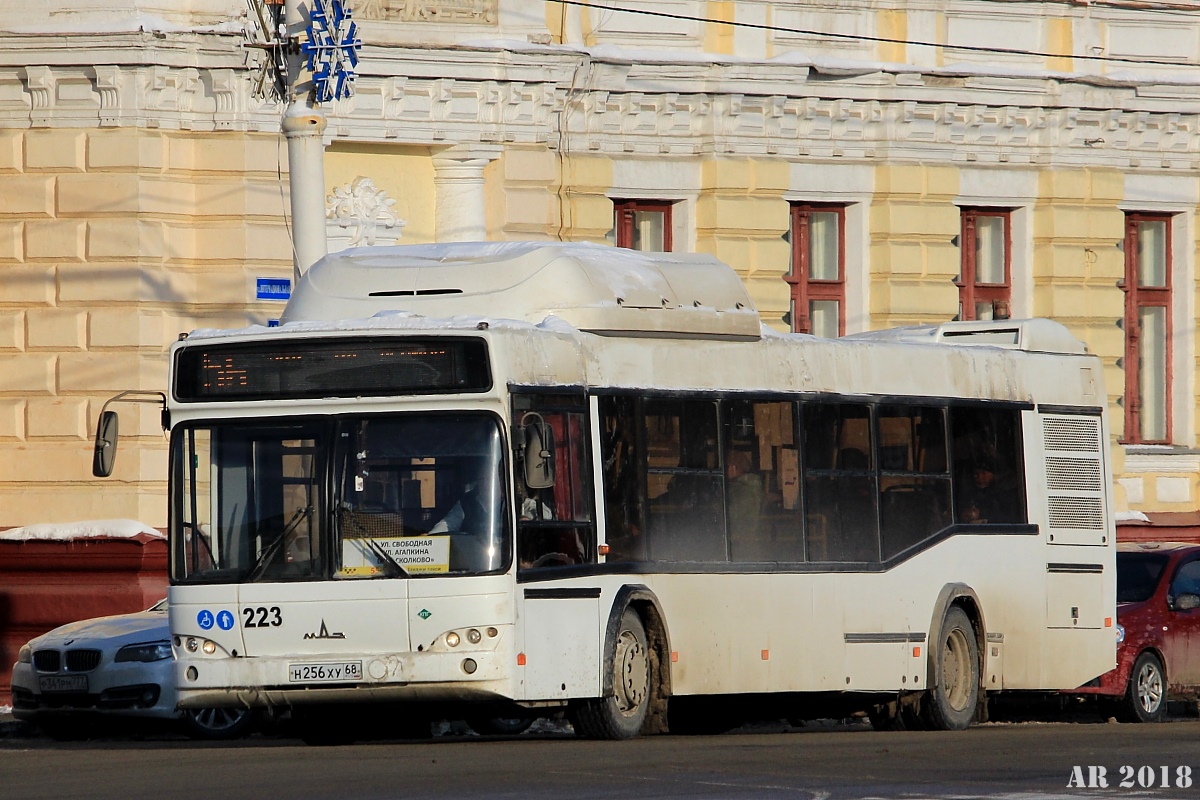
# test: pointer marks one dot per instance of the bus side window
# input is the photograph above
(554, 524)
(841, 497)
(914, 478)
(989, 480)
(685, 505)
(762, 503)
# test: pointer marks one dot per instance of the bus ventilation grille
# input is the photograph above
(1074, 478)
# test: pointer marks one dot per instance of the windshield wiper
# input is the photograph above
(394, 570)
(269, 552)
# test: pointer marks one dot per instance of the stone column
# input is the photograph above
(459, 208)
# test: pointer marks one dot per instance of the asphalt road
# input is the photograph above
(1026, 761)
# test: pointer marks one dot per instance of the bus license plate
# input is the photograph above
(325, 672)
(63, 683)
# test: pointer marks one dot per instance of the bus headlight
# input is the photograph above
(192, 644)
(452, 639)
(473, 636)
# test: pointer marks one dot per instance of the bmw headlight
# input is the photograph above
(25, 654)
(1120, 633)
(152, 651)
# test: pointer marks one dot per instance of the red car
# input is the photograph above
(1158, 631)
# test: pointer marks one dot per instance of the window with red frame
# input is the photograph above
(984, 278)
(818, 274)
(1147, 287)
(643, 224)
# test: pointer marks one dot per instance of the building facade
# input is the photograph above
(861, 166)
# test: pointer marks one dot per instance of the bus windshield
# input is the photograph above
(384, 496)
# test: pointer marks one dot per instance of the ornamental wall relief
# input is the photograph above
(460, 12)
(357, 213)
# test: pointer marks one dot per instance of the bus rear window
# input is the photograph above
(317, 368)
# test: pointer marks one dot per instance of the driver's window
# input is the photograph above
(1186, 581)
(555, 525)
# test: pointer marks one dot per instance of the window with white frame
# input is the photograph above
(643, 224)
(985, 273)
(818, 274)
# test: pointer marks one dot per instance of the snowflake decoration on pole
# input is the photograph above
(332, 50)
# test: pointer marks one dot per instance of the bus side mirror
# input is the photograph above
(538, 452)
(105, 454)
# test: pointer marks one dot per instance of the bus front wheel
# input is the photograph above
(622, 714)
(951, 700)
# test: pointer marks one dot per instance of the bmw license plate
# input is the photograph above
(325, 672)
(63, 683)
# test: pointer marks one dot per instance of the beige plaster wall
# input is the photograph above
(111, 243)
(405, 173)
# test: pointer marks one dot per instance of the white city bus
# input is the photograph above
(527, 479)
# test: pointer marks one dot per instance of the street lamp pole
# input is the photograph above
(304, 129)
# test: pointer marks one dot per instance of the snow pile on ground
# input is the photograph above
(88, 529)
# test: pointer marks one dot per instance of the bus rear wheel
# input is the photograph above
(622, 714)
(950, 702)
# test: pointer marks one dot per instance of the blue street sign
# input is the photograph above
(273, 288)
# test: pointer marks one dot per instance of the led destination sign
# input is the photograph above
(330, 368)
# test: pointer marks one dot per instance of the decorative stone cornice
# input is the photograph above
(460, 12)
(447, 96)
(40, 83)
(108, 86)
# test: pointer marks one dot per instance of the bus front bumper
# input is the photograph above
(469, 676)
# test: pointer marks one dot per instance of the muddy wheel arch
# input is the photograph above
(962, 595)
(642, 600)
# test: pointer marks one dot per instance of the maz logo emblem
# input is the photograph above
(324, 633)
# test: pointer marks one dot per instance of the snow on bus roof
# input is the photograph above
(626, 271)
(384, 320)
(596, 288)
(86, 529)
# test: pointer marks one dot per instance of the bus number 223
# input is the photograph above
(262, 617)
